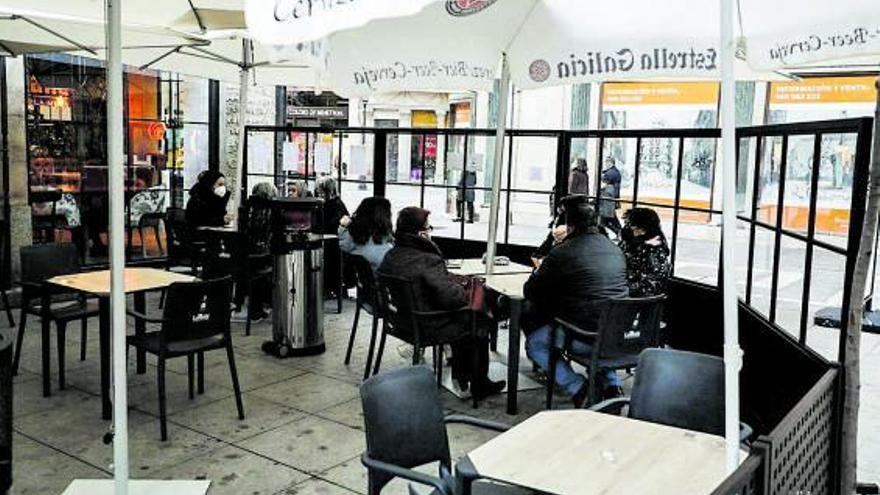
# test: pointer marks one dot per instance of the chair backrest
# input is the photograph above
(258, 225)
(628, 326)
(403, 420)
(679, 388)
(365, 280)
(196, 310)
(397, 303)
(43, 261)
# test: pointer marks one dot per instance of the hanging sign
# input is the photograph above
(824, 90)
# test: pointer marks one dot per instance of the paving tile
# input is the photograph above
(348, 413)
(39, 470)
(311, 444)
(314, 486)
(145, 397)
(234, 471)
(308, 392)
(219, 419)
(81, 435)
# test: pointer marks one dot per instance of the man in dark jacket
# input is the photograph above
(584, 268)
(611, 180)
(465, 196)
(415, 257)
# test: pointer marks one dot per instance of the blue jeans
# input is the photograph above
(538, 350)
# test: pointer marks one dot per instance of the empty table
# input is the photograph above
(97, 284)
(583, 452)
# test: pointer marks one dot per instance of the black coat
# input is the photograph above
(205, 209)
(581, 270)
(420, 261)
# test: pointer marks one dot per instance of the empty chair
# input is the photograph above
(184, 252)
(626, 326)
(38, 264)
(367, 300)
(405, 428)
(195, 320)
(677, 388)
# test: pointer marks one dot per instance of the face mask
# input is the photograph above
(220, 191)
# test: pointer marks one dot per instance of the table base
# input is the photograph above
(139, 487)
(497, 371)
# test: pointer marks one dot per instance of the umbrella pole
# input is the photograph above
(732, 352)
(238, 187)
(504, 88)
(116, 190)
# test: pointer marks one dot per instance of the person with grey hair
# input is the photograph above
(297, 189)
(264, 190)
(334, 212)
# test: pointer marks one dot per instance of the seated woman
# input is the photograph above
(647, 254)
(207, 201)
(416, 257)
(368, 232)
(334, 212)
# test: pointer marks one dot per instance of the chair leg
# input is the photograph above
(8, 308)
(190, 374)
(380, 351)
(493, 339)
(62, 341)
(235, 385)
(354, 326)
(591, 380)
(200, 374)
(143, 244)
(250, 300)
(83, 338)
(438, 364)
(475, 365)
(551, 375)
(163, 427)
(162, 299)
(159, 239)
(417, 353)
(372, 348)
(19, 339)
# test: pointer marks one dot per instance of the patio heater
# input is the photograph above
(298, 289)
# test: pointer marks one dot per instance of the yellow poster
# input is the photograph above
(660, 93)
(424, 118)
(824, 90)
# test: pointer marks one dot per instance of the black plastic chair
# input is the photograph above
(195, 320)
(38, 264)
(405, 428)
(230, 254)
(4, 274)
(185, 253)
(406, 320)
(677, 388)
(44, 225)
(626, 327)
(367, 299)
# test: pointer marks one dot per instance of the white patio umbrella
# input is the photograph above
(184, 15)
(459, 44)
(45, 33)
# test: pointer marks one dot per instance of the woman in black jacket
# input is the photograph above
(207, 201)
(416, 257)
(646, 251)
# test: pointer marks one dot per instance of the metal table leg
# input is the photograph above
(513, 335)
(104, 325)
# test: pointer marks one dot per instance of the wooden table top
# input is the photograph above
(508, 284)
(583, 452)
(475, 266)
(136, 280)
(225, 229)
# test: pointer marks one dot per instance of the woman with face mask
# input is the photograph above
(207, 201)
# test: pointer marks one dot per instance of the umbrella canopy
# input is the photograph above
(23, 34)
(452, 45)
(184, 15)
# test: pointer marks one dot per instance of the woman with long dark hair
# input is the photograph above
(207, 201)
(368, 232)
(647, 254)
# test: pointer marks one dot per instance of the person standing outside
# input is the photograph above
(465, 196)
(579, 178)
(609, 197)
